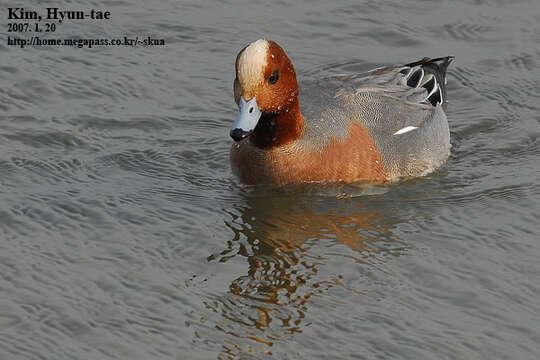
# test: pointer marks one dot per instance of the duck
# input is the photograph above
(381, 126)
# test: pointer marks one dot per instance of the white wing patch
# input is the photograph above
(406, 129)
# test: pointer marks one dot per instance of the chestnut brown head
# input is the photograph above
(265, 83)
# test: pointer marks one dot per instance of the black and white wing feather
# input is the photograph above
(429, 74)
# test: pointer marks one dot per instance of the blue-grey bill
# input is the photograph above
(247, 119)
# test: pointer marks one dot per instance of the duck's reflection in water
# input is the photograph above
(286, 240)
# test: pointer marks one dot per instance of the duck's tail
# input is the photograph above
(430, 74)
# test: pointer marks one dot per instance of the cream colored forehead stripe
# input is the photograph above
(252, 63)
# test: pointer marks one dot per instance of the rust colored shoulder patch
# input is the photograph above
(353, 159)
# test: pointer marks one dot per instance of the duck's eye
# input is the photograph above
(274, 77)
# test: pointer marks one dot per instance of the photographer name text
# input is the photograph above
(57, 14)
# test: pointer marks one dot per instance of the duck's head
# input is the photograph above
(266, 91)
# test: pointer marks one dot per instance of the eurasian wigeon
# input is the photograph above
(380, 126)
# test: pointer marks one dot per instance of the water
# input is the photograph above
(124, 236)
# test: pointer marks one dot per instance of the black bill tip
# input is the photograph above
(239, 134)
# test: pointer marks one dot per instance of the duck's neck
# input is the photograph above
(277, 129)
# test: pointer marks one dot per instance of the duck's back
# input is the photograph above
(400, 107)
